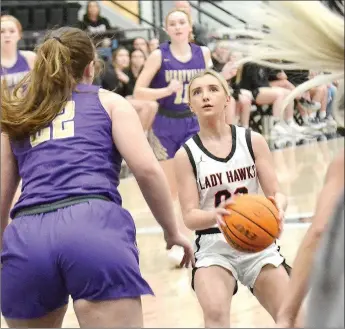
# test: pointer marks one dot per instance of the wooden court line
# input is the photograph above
(143, 212)
(158, 229)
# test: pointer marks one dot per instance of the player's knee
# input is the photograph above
(217, 314)
(283, 92)
(246, 103)
(280, 93)
(321, 89)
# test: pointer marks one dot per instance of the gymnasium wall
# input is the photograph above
(133, 6)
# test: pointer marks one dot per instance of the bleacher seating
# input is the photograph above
(37, 17)
(259, 119)
(42, 15)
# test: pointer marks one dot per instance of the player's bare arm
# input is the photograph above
(126, 127)
(334, 184)
(194, 218)
(9, 179)
(207, 57)
(151, 67)
(266, 171)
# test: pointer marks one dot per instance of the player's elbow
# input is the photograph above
(192, 220)
(189, 223)
(147, 173)
(187, 217)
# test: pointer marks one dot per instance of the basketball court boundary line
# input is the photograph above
(295, 217)
(158, 229)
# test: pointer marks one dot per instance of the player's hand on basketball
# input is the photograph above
(281, 213)
(181, 241)
(175, 86)
(221, 211)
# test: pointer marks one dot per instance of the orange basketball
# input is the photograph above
(252, 225)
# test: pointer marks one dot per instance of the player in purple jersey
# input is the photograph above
(70, 235)
(15, 64)
(165, 78)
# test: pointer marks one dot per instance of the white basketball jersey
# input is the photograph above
(217, 178)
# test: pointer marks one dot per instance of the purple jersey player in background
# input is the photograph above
(165, 78)
(15, 64)
(69, 235)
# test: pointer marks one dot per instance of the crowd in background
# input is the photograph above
(253, 86)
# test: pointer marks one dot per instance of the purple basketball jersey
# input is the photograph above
(13, 75)
(74, 156)
(171, 68)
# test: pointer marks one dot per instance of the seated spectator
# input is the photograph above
(320, 94)
(153, 44)
(114, 78)
(304, 104)
(254, 78)
(137, 61)
(332, 92)
(141, 44)
(220, 55)
(120, 75)
(313, 112)
(241, 100)
(93, 22)
(146, 109)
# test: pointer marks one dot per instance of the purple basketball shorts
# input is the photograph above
(170, 134)
(87, 250)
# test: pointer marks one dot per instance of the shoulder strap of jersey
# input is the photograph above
(190, 148)
(248, 136)
(244, 138)
(164, 47)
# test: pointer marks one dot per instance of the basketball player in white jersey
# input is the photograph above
(213, 166)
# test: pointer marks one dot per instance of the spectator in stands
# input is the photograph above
(93, 22)
(114, 77)
(120, 76)
(317, 95)
(137, 61)
(304, 104)
(253, 77)
(220, 55)
(15, 64)
(320, 94)
(141, 44)
(332, 91)
(241, 100)
(146, 109)
(296, 78)
(153, 44)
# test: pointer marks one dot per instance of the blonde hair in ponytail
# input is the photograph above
(304, 33)
(59, 66)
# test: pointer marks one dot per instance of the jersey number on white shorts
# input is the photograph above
(62, 126)
(223, 195)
